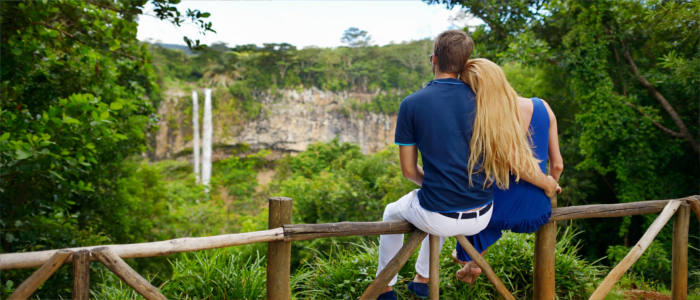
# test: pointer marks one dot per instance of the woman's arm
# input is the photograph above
(408, 155)
(556, 162)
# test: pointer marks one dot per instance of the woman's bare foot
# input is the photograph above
(455, 259)
(469, 273)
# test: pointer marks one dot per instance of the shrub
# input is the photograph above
(654, 265)
(334, 182)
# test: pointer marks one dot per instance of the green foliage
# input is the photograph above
(621, 142)
(654, 265)
(355, 37)
(213, 274)
(343, 272)
(334, 182)
(217, 274)
(237, 174)
(248, 71)
(77, 97)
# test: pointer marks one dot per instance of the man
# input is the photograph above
(438, 120)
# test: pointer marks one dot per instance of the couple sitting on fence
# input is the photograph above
(472, 135)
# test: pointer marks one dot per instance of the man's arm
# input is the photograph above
(408, 155)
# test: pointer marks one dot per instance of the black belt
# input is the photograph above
(468, 215)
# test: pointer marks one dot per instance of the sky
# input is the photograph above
(305, 23)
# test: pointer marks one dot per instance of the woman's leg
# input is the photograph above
(481, 241)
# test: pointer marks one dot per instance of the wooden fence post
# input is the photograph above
(81, 275)
(545, 244)
(279, 253)
(679, 264)
(434, 283)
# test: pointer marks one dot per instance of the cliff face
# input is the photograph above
(289, 122)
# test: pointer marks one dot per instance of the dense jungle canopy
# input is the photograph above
(79, 95)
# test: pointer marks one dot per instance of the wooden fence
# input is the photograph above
(282, 233)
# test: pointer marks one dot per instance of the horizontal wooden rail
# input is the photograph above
(23, 260)
(296, 232)
(613, 210)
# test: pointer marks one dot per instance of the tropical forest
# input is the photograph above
(100, 137)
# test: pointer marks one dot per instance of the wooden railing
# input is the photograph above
(282, 233)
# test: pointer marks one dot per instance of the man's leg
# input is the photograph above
(423, 261)
(389, 244)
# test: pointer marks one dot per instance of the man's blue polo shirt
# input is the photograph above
(439, 120)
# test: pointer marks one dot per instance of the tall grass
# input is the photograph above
(213, 274)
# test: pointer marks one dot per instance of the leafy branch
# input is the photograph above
(682, 129)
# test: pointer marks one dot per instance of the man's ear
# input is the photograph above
(434, 61)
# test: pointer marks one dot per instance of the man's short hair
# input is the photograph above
(453, 48)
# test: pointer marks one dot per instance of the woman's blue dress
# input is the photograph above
(523, 208)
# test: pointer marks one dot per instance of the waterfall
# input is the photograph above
(206, 139)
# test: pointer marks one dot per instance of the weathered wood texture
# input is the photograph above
(485, 267)
(117, 265)
(544, 278)
(81, 275)
(613, 210)
(434, 283)
(37, 258)
(392, 268)
(27, 288)
(279, 253)
(679, 260)
(298, 232)
(611, 279)
(695, 206)
(543, 272)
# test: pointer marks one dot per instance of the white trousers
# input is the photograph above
(408, 209)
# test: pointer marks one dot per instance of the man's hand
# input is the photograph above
(552, 187)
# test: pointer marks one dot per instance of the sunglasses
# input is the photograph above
(431, 58)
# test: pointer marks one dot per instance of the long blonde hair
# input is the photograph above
(498, 141)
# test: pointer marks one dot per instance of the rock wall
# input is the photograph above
(289, 122)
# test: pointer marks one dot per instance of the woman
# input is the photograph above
(521, 208)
